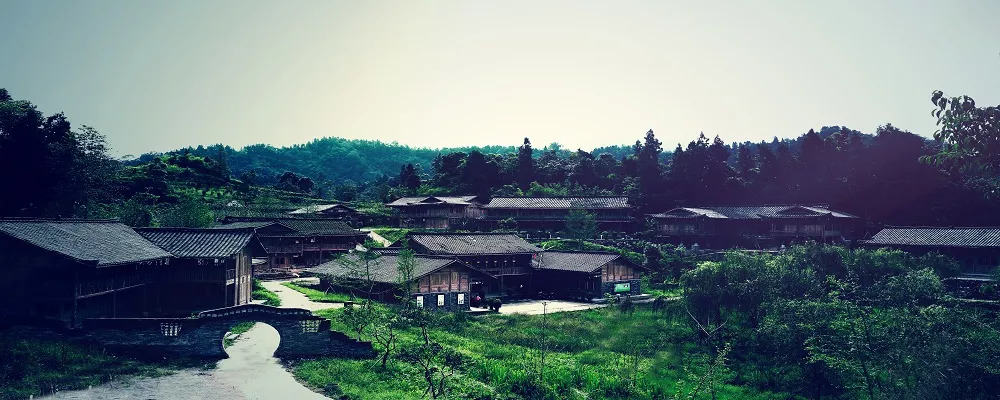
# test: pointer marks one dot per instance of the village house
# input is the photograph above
(586, 274)
(436, 283)
(977, 250)
(295, 242)
(507, 257)
(337, 211)
(64, 271)
(436, 212)
(755, 227)
(211, 268)
(549, 213)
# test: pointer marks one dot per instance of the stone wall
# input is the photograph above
(450, 301)
(302, 334)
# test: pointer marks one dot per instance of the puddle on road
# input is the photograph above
(251, 372)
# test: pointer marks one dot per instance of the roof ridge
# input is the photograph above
(189, 229)
(34, 219)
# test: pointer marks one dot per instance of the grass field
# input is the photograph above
(318, 295)
(261, 293)
(33, 367)
(595, 354)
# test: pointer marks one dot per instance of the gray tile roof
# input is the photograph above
(302, 225)
(418, 200)
(199, 243)
(473, 243)
(751, 212)
(575, 261)
(587, 203)
(937, 237)
(384, 269)
(244, 225)
(104, 242)
(320, 208)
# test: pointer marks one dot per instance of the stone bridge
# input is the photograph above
(302, 333)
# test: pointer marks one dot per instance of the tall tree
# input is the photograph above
(525, 171)
(969, 137)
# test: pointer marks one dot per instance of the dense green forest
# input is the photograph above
(888, 177)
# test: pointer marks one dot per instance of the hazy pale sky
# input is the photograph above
(158, 75)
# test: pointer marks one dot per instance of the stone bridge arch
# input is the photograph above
(302, 333)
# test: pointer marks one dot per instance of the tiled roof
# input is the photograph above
(319, 208)
(303, 225)
(103, 242)
(384, 269)
(199, 243)
(576, 261)
(587, 203)
(410, 201)
(245, 225)
(473, 243)
(751, 212)
(937, 237)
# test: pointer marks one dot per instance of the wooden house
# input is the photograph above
(977, 250)
(436, 283)
(212, 268)
(337, 211)
(586, 274)
(507, 257)
(436, 212)
(756, 227)
(64, 271)
(299, 241)
(549, 213)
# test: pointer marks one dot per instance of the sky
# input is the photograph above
(159, 75)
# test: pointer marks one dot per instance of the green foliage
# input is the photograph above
(589, 354)
(319, 295)
(261, 293)
(236, 330)
(31, 366)
(970, 141)
(580, 225)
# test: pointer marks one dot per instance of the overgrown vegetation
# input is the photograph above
(319, 295)
(32, 367)
(235, 332)
(261, 293)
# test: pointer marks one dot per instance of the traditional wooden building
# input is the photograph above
(756, 227)
(504, 256)
(338, 211)
(436, 212)
(64, 271)
(436, 283)
(549, 213)
(212, 268)
(977, 250)
(586, 274)
(295, 242)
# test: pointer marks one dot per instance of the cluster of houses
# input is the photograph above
(64, 271)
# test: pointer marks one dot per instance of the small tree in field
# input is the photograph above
(580, 225)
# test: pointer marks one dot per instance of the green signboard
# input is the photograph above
(622, 287)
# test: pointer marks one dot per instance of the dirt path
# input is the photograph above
(376, 237)
(250, 372)
(292, 299)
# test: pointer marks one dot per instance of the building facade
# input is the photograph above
(211, 268)
(756, 227)
(977, 250)
(61, 272)
(436, 212)
(586, 274)
(300, 241)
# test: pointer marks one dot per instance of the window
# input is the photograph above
(420, 301)
(440, 300)
(309, 326)
(461, 298)
(170, 328)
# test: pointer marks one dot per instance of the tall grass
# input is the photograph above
(318, 295)
(595, 354)
(261, 293)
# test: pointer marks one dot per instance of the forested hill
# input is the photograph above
(331, 158)
(338, 159)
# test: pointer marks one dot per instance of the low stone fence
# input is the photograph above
(302, 334)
